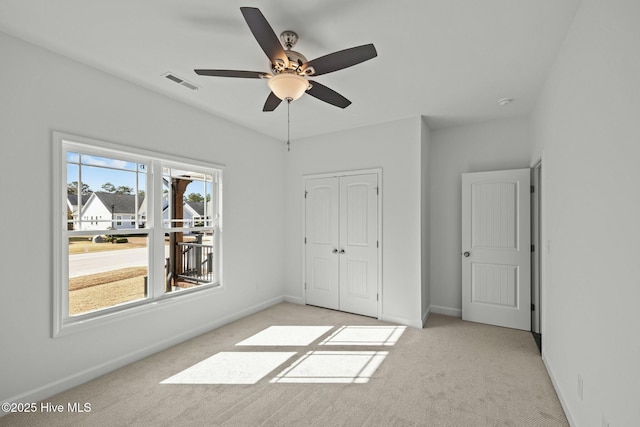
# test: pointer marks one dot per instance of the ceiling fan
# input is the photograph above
(290, 69)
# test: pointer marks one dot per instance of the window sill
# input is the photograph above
(88, 321)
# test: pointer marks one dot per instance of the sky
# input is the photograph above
(96, 171)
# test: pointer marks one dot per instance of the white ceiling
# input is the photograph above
(447, 60)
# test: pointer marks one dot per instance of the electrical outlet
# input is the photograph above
(605, 423)
(580, 387)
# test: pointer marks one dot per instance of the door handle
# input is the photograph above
(341, 251)
(335, 251)
(467, 254)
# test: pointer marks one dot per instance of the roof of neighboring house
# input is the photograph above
(73, 198)
(198, 207)
(122, 203)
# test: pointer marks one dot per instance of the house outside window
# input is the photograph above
(132, 238)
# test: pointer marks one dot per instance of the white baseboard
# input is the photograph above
(82, 377)
(385, 317)
(447, 311)
(561, 398)
(293, 300)
(400, 320)
(425, 316)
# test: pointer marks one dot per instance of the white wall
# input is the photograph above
(395, 147)
(41, 92)
(425, 217)
(587, 122)
(495, 145)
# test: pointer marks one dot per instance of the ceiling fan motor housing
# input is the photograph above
(296, 60)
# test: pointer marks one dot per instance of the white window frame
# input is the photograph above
(63, 324)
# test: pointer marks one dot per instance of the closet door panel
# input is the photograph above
(322, 238)
(359, 244)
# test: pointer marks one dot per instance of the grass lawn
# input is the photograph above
(81, 245)
(101, 290)
(95, 291)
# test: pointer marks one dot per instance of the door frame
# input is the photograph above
(378, 172)
(543, 242)
(535, 242)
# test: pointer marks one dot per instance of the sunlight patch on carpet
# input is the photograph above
(231, 368)
(365, 335)
(286, 336)
(344, 367)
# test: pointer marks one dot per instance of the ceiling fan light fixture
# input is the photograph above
(288, 86)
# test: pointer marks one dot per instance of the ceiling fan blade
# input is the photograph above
(232, 73)
(272, 102)
(341, 59)
(264, 34)
(330, 96)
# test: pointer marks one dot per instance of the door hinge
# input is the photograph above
(377, 297)
(305, 194)
(377, 191)
(533, 189)
(305, 286)
(377, 244)
(533, 307)
(533, 248)
(305, 240)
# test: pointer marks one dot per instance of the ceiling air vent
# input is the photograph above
(189, 85)
(181, 81)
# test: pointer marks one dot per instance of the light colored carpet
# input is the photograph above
(452, 373)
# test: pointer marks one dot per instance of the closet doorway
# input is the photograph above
(342, 246)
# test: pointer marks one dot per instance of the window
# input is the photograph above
(136, 229)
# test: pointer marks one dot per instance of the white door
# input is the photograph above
(322, 240)
(496, 250)
(359, 244)
(341, 260)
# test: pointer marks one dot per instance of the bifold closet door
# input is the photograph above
(342, 243)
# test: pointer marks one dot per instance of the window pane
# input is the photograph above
(73, 157)
(74, 188)
(106, 271)
(111, 190)
(191, 260)
(108, 163)
(188, 199)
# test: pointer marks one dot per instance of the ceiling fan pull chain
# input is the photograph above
(288, 125)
